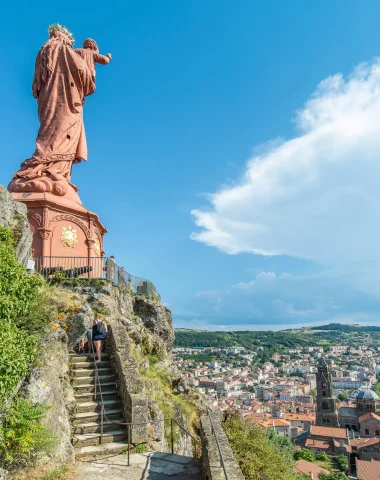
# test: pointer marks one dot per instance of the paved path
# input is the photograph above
(148, 466)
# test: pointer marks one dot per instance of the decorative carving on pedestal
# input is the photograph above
(69, 236)
(45, 233)
(73, 219)
(36, 217)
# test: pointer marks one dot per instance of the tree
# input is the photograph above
(322, 457)
(333, 476)
(304, 454)
(341, 462)
(343, 396)
(260, 454)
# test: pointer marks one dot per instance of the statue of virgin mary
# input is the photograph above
(62, 80)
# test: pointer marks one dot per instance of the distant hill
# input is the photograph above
(340, 327)
(277, 341)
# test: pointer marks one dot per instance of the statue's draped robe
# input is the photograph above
(61, 81)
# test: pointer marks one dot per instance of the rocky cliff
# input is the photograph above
(13, 215)
(140, 341)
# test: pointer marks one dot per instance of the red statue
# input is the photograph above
(63, 78)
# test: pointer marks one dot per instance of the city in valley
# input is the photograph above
(322, 393)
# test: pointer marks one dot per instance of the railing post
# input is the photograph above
(129, 439)
(172, 435)
(101, 425)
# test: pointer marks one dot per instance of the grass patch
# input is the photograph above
(56, 473)
(158, 385)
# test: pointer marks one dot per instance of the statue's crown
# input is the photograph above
(56, 26)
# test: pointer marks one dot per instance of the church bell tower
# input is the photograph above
(327, 414)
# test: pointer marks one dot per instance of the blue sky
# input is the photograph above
(245, 192)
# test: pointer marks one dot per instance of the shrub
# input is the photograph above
(259, 454)
(22, 437)
(18, 289)
(341, 462)
(305, 454)
(17, 352)
(322, 457)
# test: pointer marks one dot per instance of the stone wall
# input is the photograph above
(211, 462)
(13, 215)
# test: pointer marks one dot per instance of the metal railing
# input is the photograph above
(103, 268)
(129, 426)
(222, 464)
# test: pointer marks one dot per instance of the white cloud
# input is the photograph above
(316, 196)
(278, 300)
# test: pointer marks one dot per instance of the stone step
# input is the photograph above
(96, 406)
(95, 427)
(85, 357)
(87, 388)
(85, 417)
(90, 396)
(91, 372)
(82, 365)
(113, 448)
(91, 380)
(88, 439)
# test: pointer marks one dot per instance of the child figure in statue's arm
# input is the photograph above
(90, 54)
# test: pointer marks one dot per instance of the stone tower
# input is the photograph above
(327, 414)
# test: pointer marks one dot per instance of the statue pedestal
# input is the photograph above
(62, 227)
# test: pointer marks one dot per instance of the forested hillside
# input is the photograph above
(280, 341)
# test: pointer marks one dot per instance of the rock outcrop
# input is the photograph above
(49, 385)
(13, 215)
(140, 329)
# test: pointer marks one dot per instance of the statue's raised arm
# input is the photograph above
(62, 80)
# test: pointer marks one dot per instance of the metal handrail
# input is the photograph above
(222, 464)
(130, 425)
(103, 268)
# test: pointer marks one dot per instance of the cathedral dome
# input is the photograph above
(368, 394)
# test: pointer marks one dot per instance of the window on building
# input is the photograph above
(324, 393)
(325, 406)
(366, 431)
(377, 432)
(326, 420)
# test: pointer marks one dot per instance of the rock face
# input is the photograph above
(140, 327)
(13, 215)
(48, 385)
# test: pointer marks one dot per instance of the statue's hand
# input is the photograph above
(109, 56)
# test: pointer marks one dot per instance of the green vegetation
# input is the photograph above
(333, 476)
(26, 308)
(22, 437)
(17, 353)
(159, 387)
(18, 289)
(56, 474)
(341, 462)
(305, 454)
(272, 342)
(260, 454)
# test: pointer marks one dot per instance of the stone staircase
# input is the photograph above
(86, 423)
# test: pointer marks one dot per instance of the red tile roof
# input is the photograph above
(305, 467)
(331, 432)
(369, 415)
(368, 470)
(310, 443)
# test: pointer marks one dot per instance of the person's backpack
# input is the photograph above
(100, 328)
